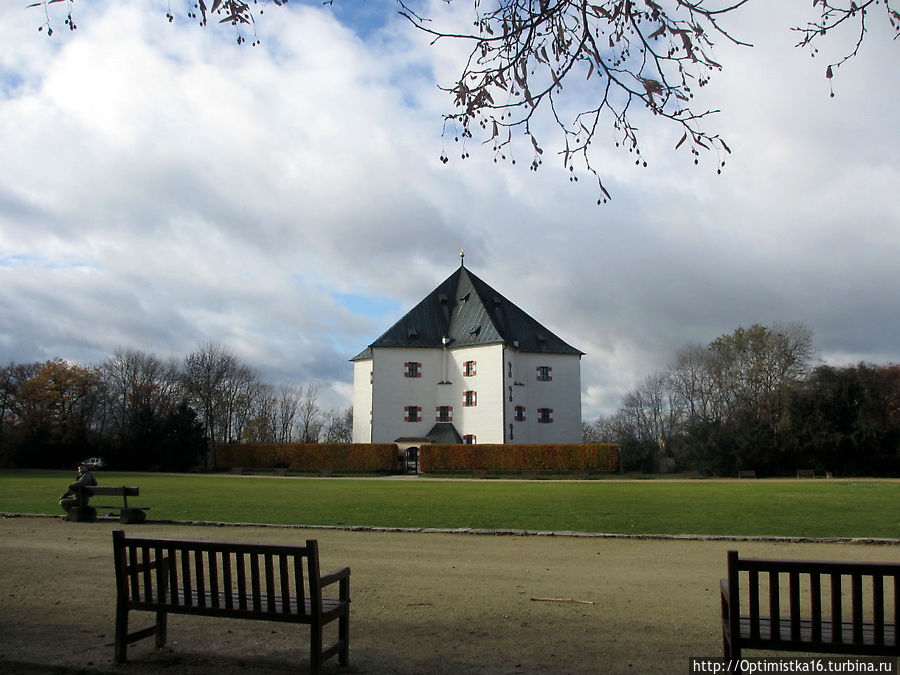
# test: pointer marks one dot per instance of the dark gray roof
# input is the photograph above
(469, 312)
(444, 433)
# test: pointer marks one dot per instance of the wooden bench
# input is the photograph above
(87, 512)
(868, 626)
(747, 474)
(242, 581)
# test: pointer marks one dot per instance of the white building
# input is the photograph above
(466, 365)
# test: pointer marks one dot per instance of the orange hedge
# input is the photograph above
(309, 456)
(598, 457)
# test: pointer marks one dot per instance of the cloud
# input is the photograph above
(169, 188)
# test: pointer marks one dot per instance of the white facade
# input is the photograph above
(474, 377)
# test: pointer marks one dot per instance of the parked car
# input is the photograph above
(94, 463)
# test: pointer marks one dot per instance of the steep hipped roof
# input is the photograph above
(469, 312)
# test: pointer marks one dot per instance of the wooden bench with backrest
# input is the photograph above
(85, 511)
(810, 606)
(242, 581)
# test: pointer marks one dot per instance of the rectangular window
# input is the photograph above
(469, 439)
(412, 369)
(520, 413)
(443, 413)
(545, 415)
(543, 373)
(470, 398)
(469, 368)
(411, 413)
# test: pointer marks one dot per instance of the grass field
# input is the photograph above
(796, 508)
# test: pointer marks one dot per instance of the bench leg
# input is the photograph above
(315, 647)
(162, 624)
(121, 633)
(344, 637)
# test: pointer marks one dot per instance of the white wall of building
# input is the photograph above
(561, 394)
(393, 392)
(362, 401)
(504, 378)
(485, 419)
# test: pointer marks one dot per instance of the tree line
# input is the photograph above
(141, 412)
(756, 400)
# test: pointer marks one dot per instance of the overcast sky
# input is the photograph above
(162, 187)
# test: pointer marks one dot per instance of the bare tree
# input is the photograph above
(309, 418)
(653, 412)
(286, 411)
(206, 376)
(338, 427)
(135, 382)
(692, 378)
(622, 56)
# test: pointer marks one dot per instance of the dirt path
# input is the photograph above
(422, 603)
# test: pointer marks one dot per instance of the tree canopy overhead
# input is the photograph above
(527, 57)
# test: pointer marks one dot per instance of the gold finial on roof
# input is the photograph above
(462, 258)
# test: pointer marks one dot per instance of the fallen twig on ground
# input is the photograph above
(580, 602)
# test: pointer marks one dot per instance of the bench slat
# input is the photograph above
(815, 591)
(878, 609)
(836, 607)
(270, 581)
(213, 579)
(254, 580)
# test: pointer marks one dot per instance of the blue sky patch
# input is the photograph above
(374, 306)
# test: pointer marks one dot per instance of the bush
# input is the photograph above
(593, 457)
(349, 457)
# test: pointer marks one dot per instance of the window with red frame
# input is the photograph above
(545, 415)
(469, 439)
(412, 369)
(544, 373)
(411, 413)
(470, 368)
(470, 398)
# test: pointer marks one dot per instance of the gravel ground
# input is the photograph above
(422, 602)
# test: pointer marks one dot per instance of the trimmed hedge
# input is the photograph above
(369, 457)
(596, 457)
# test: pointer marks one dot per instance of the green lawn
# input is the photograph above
(802, 508)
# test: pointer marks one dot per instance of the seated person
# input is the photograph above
(84, 479)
